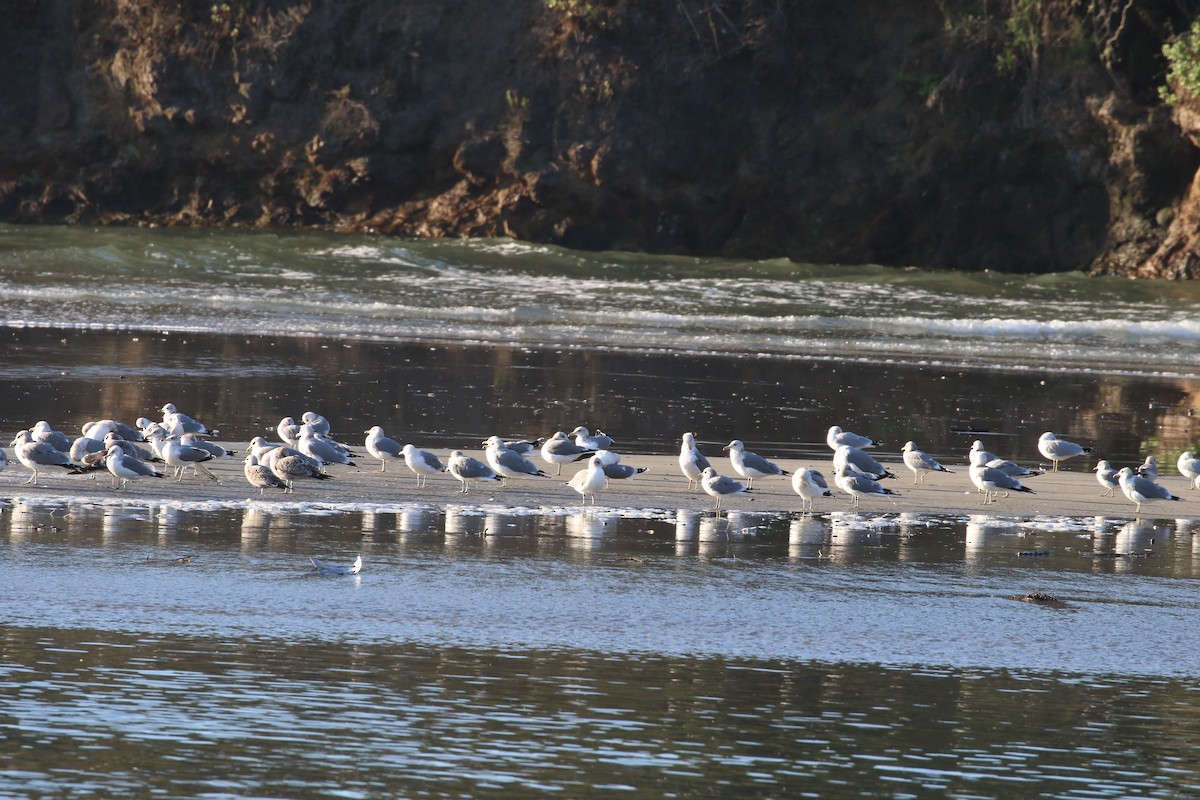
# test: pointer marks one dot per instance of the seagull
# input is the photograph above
(559, 450)
(42, 432)
(3, 460)
(1106, 476)
(1058, 450)
(920, 462)
(838, 437)
(83, 446)
(97, 430)
(1149, 469)
(597, 441)
(691, 461)
(40, 454)
(289, 469)
(319, 424)
(322, 568)
(1188, 465)
(980, 457)
(750, 465)
(128, 448)
(589, 481)
(125, 467)
(422, 463)
(619, 472)
(992, 482)
(321, 448)
(288, 430)
(720, 487)
(181, 456)
(508, 463)
(809, 484)
(260, 476)
(198, 440)
(381, 447)
(854, 461)
(179, 423)
(857, 485)
(523, 446)
(1142, 490)
(468, 469)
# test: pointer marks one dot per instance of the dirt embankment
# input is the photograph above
(1020, 136)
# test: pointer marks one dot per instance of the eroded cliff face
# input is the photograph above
(894, 133)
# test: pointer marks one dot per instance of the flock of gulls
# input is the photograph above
(306, 448)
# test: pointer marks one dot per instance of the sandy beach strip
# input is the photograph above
(1072, 492)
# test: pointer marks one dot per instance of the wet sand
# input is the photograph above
(1071, 492)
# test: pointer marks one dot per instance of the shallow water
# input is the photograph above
(509, 652)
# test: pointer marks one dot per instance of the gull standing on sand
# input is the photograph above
(382, 448)
(290, 469)
(35, 455)
(692, 462)
(1058, 450)
(992, 482)
(125, 468)
(859, 486)
(325, 450)
(1188, 466)
(84, 446)
(422, 463)
(618, 471)
(469, 470)
(809, 484)
(853, 461)
(1142, 490)
(920, 462)
(1106, 476)
(508, 463)
(720, 487)
(198, 440)
(750, 465)
(589, 481)
(181, 456)
(559, 450)
(978, 457)
(260, 476)
(838, 437)
(595, 441)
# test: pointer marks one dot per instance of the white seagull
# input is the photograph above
(859, 486)
(992, 482)
(595, 441)
(1149, 468)
(853, 461)
(809, 484)
(1058, 450)
(589, 481)
(1106, 476)
(381, 447)
(35, 455)
(838, 437)
(469, 470)
(322, 568)
(1142, 490)
(720, 487)
(750, 465)
(1188, 465)
(920, 462)
(559, 450)
(508, 463)
(691, 461)
(125, 468)
(422, 463)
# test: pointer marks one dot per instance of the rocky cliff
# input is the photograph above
(1017, 135)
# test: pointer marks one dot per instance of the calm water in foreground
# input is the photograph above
(182, 651)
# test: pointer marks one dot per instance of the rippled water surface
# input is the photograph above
(176, 650)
